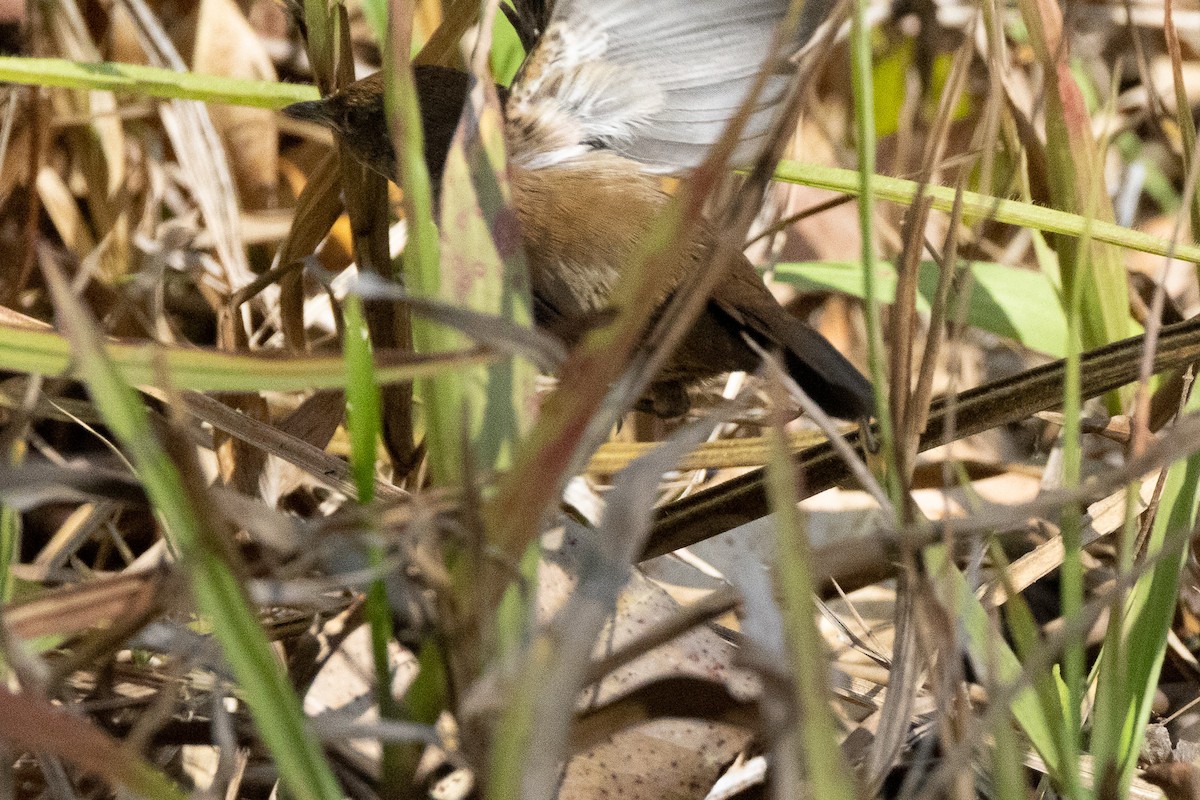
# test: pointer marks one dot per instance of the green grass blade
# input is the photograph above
(216, 592)
(43, 352)
(364, 425)
(992, 658)
(1071, 588)
(981, 206)
(816, 744)
(1049, 688)
(363, 399)
(864, 129)
(442, 400)
(507, 53)
(1148, 617)
(1076, 183)
(167, 84)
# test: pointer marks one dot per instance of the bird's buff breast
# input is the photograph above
(582, 224)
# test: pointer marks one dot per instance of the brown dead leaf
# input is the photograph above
(666, 758)
(64, 212)
(78, 608)
(97, 147)
(32, 723)
(1181, 275)
(15, 169)
(225, 44)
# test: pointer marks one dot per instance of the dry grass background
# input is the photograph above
(161, 212)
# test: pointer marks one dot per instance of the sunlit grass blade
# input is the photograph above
(816, 741)
(43, 352)
(152, 82)
(1009, 212)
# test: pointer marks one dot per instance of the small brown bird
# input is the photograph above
(615, 94)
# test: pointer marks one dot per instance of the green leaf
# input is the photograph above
(483, 268)
(890, 74)
(1015, 303)
(507, 53)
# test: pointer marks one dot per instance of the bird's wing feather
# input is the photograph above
(653, 81)
(828, 376)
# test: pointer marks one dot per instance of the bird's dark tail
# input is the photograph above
(829, 378)
(825, 374)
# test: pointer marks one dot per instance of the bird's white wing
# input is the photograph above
(653, 80)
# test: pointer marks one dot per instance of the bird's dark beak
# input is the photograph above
(310, 111)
